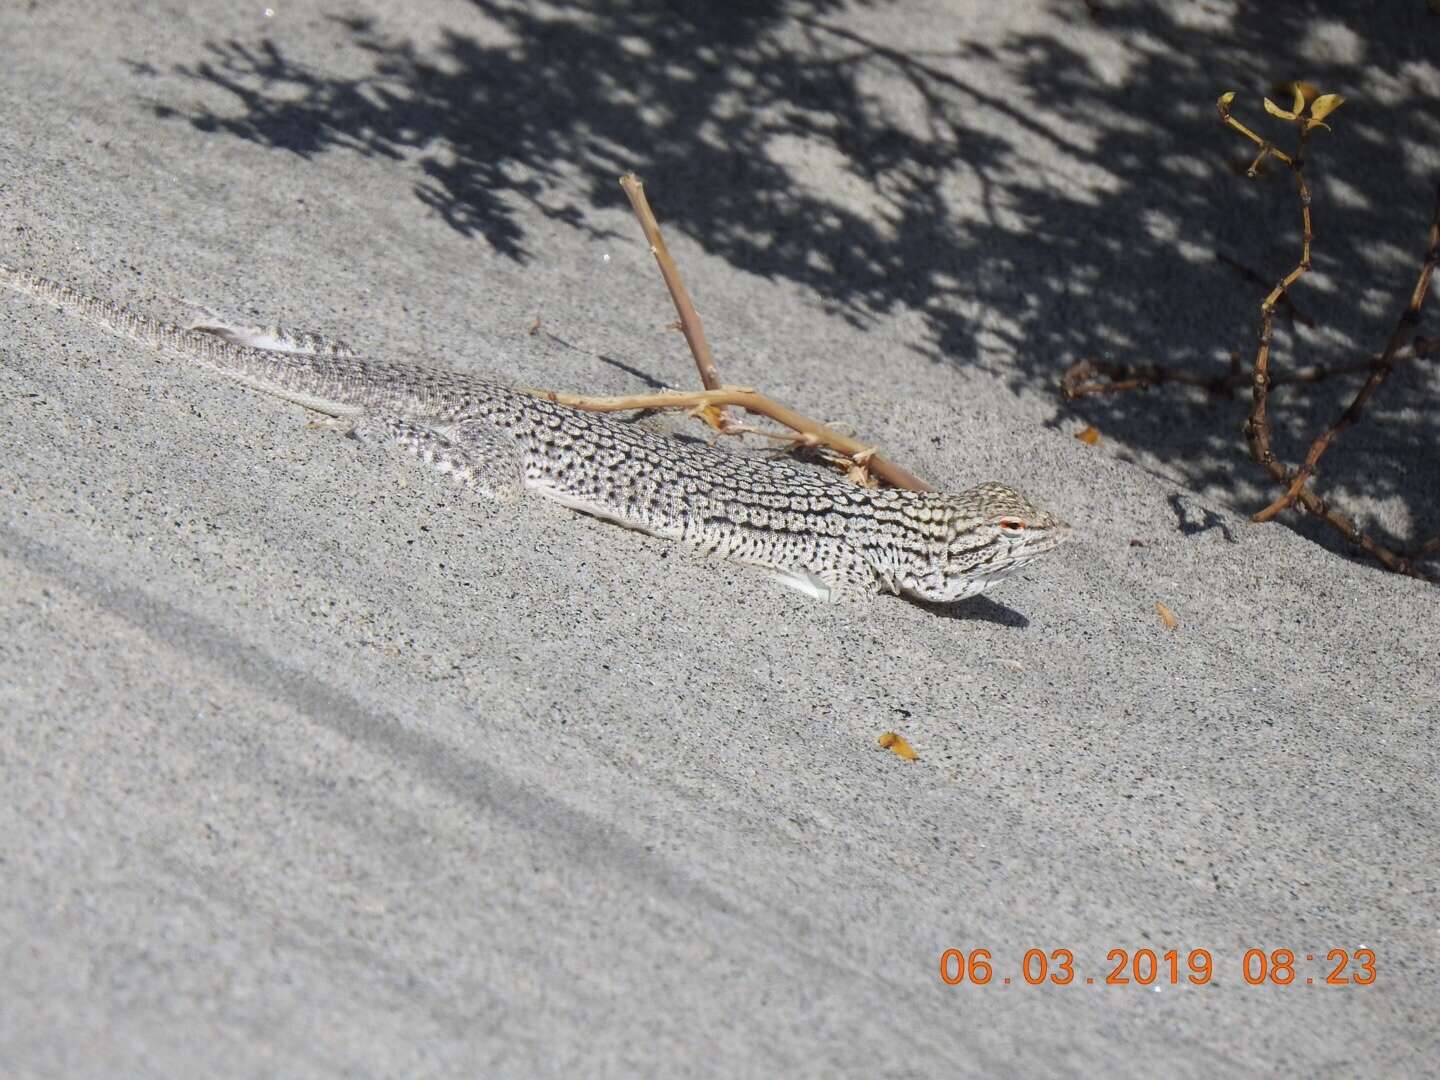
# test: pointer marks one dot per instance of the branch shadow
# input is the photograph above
(1186, 514)
(1035, 192)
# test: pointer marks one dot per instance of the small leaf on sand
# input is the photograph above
(1090, 436)
(897, 745)
(1166, 616)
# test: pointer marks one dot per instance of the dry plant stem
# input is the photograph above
(1250, 275)
(1257, 428)
(1400, 564)
(811, 432)
(1404, 327)
(1083, 379)
(1266, 147)
(894, 474)
(716, 395)
(689, 317)
(1254, 169)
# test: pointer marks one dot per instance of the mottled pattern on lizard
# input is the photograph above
(825, 536)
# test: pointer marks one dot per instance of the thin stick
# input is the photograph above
(1400, 564)
(1266, 147)
(1082, 379)
(1404, 327)
(710, 403)
(689, 318)
(1085, 377)
(1257, 427)
(812, 432)
(1250, 275)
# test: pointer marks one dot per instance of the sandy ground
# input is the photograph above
(313, 766)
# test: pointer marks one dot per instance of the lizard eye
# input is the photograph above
(1011, 525)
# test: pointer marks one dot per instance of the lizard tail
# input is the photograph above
(253, 367)
(288, 376)
(104, 313)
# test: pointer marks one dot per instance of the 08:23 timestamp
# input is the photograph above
(1146, 967)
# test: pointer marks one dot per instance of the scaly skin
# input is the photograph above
(822, 535)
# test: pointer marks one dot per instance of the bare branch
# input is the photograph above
(1083, 379)
(1404, 327)
(1090, 377)
(1250, 275)
(1257, 427)
(689, 318)
(710, 404)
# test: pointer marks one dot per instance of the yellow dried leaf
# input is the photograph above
(897, 745)
(1225, 100)
(709, 414)
(1276, 110)
(1090, 436)
(1166, 616)
(1324, 105)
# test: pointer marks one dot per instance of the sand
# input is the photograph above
(313, 765)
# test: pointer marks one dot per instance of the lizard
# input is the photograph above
(825, 536)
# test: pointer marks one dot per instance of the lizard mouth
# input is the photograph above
(1058, 534)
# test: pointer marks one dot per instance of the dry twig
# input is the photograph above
(1404, 328)
(690, 326)
(1258, 427)
(710, 404)
(1088, 377)
(1255, 278)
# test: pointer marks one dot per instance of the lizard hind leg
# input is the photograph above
(271, 338)
(497, 457)
(489, 466)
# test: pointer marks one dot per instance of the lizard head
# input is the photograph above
(989, 532)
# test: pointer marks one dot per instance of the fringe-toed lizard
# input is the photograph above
(825, 536)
